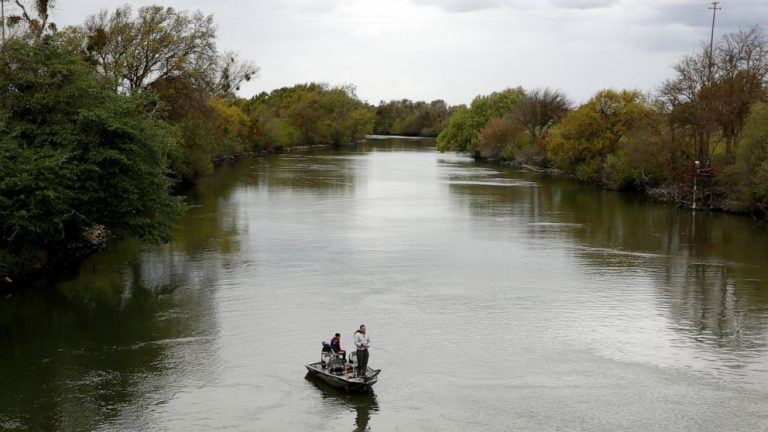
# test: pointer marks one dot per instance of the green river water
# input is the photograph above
(495, 299)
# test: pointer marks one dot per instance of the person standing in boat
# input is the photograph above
(362, 343)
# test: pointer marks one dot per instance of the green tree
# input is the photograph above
(404, 117)
(461, 133)
(309, 114)
(231, 127)
(349, 119)
(497, 104)
(749, 176)
(464, 126)
(196, 124)
(586, 137)
(74, 156)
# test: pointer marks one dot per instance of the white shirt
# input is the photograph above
(362, 341)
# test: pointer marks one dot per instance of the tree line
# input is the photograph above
(101, 122)
(700, 139)
(408, 118)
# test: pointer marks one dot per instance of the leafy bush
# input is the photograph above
(74, 155)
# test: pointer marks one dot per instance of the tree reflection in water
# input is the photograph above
(364, 404)
(703, 272)
(102, 346)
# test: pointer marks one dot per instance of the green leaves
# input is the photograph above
(74, 155)
(464, 126)
(587, 136)
(33, 198)
(461, 133)
(405, 117)
(309, 114)
(750, 174)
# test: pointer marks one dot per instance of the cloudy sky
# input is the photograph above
(456, 49)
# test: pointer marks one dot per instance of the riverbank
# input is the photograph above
(55, 264)
(97, 238)
(674, 194)
(279, 150)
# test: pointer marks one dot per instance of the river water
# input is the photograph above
(495, 299)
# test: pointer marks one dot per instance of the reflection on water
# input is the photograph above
(492, 296)
(135, 324)
(363, 404)
(707, 268)
(78, 358)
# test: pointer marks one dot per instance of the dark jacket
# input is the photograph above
(336, 344)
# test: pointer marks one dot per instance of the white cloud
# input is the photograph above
(461, 5)
(456, 49)
(584, 4)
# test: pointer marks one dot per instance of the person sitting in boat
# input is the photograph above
(336, 345)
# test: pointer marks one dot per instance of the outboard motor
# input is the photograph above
(336, 364)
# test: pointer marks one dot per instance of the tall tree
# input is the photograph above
(74, 155)
(464, 126)
(750, 173)
(158, 43)
(540, 110)
(588, 135)
(713, 95)
(742, 66)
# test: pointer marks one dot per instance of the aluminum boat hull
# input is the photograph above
(346, 380)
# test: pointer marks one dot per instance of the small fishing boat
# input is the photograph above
(334, 370)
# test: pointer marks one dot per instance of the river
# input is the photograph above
(496, 299)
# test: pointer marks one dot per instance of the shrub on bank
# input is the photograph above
(74, 155)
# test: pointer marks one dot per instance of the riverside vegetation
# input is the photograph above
(707, 126)
(100, 123)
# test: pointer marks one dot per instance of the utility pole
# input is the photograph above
(714, 8)
(2, 20)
